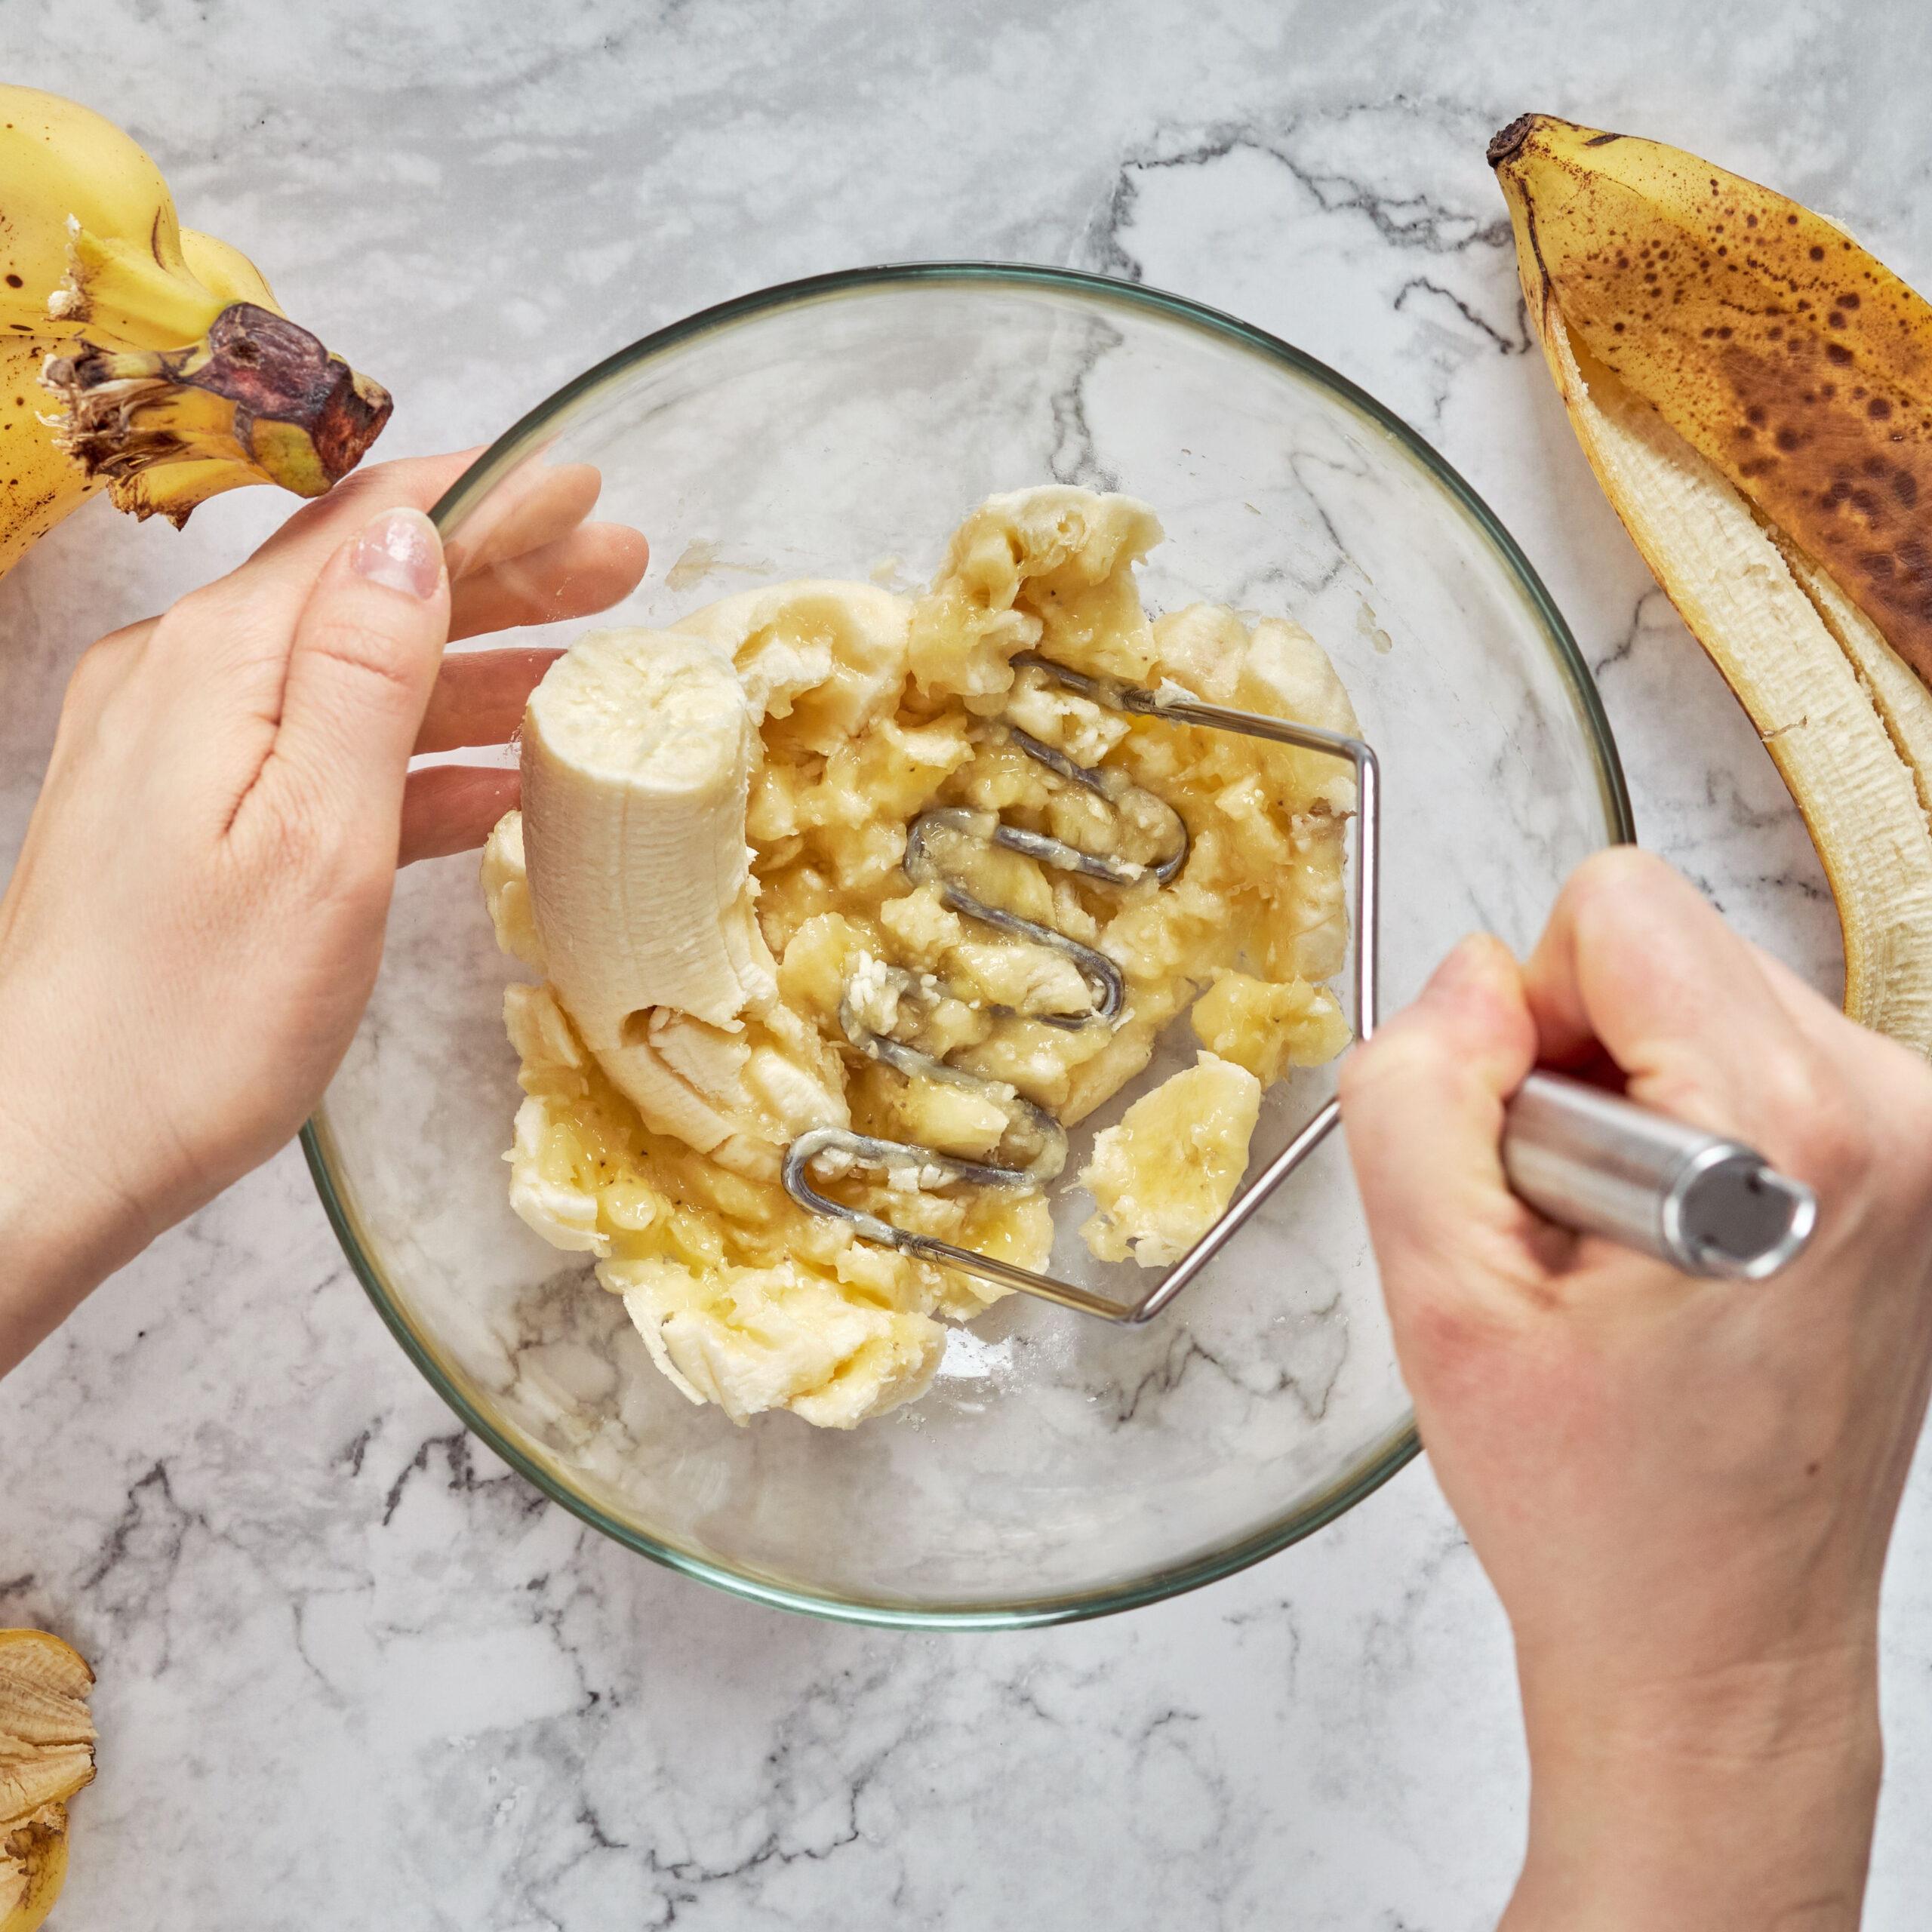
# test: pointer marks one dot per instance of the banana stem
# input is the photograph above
(257, 399)
(127, 296)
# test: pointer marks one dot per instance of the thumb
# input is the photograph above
(1422, 1101)
(1636, 958)
(361, 670)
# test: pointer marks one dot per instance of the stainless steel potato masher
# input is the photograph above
(1579, 1155)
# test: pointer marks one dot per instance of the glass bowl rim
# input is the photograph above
(1396, 1449)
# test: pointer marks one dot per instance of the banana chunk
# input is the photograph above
(506, 893)
(637, 755)
(1165, 1175)
(754, 1339)
(1046, 570)
(1267, 1027)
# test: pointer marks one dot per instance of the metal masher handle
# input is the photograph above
(1607, 1166)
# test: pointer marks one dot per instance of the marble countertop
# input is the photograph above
(353, 1670)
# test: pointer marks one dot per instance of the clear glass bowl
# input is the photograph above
(1060, 1467)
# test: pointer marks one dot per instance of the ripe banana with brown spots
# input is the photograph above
(1753, 391)
(137, 355)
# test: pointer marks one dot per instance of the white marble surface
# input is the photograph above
(349, 1668)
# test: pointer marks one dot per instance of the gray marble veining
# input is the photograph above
(350, 1665)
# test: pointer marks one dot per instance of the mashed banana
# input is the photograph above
(872, 709)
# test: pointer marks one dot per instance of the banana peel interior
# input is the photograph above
(33, 1868)
(1642, 275)
(46, 1741)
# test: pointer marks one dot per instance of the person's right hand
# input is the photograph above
(1682, 1490)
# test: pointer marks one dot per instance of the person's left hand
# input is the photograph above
(196, 918)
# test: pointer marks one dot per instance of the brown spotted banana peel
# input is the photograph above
(1754, 392)
(137, 354)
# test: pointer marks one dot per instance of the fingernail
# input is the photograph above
(400, 548)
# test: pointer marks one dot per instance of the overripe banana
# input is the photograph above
(173, 374)
(1753, 391)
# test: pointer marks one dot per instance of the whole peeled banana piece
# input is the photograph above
(172, 371)
(1753, 391)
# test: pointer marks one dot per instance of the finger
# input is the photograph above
(1635, 958)
(1864, 1057)
(531, 506)
(227, 643)
(1819, 1019)
(360, 670)
(313, 533)
(452, 808)
(1422, 1101)
(587, 570)
(479, 696)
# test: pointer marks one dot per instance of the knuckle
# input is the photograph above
(1399, 1051)
(104, 665)
(1619, 865)
(97, 709)
(323, 855)
(203, 611)
(96, 674)
(370, 658)
(203, 602)
(1613, 873)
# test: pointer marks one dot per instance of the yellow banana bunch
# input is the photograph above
(136, 354)
(1753, 391)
